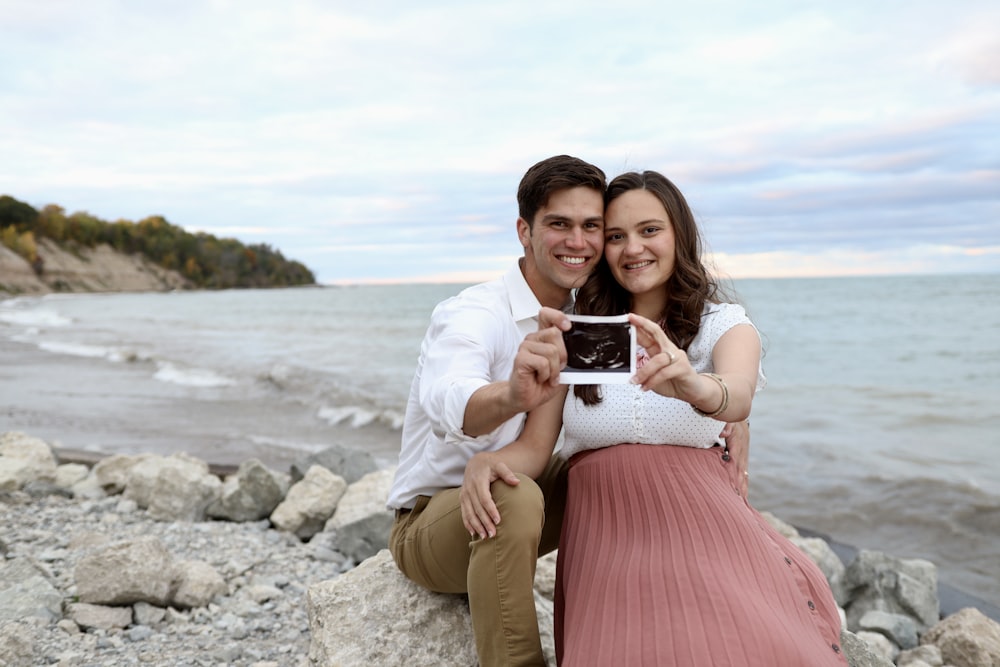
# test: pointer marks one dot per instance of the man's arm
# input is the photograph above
(533, 380)
(737, 436)
(528, 455)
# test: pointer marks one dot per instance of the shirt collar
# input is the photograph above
(524, 304)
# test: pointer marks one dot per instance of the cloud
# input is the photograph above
(385, 141)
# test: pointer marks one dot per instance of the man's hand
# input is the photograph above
(479, 512)
(542, 354)
(737, 437)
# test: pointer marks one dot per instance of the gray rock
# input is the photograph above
(373, 615)
(25, 591)
(860, 653)
(343, 461)
(99, 616)
(16, 644)
(927, 655)
(112, 473)
(69, 474)
(136, 571)
(183, 493)
(363, 498)
(880, 644)
(966, 639)
(196, 584)
(545, 575)
(176, 487)
(250, 494)
(363, 538)
(148, 614)
(901, 629)
(24, 459)
(310, 502)
(88, 487)
(875, 581)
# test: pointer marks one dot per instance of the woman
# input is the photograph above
(661, 560)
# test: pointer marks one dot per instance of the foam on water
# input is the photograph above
(81, 350)
(36, 318)
(190, 377)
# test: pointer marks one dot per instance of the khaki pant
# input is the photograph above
(432, 548)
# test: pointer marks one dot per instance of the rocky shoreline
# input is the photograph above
(147, 559)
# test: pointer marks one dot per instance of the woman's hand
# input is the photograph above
(668, 371)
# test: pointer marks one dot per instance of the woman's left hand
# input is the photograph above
(668, 371)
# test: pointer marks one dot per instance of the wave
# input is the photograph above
(359, 417)
(190, 377)
(116, 355)
(34, 319)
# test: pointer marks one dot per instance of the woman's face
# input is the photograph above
(639, 241)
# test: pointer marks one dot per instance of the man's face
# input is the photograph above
(564, 245)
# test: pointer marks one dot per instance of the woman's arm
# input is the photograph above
(725, 395)
(528, 455)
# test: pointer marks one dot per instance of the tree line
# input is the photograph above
(208, 262)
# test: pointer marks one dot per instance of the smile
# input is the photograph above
(572, 260)
(638, 265)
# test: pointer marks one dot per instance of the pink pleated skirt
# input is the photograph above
(662, 563)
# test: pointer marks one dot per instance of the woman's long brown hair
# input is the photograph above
(688, 288)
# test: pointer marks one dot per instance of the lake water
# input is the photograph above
(880, 425)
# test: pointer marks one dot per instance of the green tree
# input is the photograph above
(17, 213)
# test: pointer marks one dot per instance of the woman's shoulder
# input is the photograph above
(724, 314)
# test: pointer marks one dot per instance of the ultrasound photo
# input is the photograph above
(600, 350)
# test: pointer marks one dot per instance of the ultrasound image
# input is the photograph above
(597, 346)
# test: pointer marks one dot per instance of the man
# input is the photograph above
(484, 362)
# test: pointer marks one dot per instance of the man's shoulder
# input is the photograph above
(490, 296)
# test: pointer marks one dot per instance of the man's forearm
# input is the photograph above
(488, 408)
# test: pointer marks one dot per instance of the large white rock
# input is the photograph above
(967, 638)
(126, 572)
(113, 471)
(24, 459)
(363, 498)
(373, 615)
(250, 494)
(310, 503)
(173, 488)
(196, 584)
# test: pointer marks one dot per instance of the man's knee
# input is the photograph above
(521, 507)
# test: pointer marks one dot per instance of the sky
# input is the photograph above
(384, 141)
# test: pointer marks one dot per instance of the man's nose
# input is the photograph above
(576, 238)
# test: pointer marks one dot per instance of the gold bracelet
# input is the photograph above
(725, 397)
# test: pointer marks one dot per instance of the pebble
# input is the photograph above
(261, 622)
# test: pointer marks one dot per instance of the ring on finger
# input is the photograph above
(673, 358)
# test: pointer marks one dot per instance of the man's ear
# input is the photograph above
(523, 232)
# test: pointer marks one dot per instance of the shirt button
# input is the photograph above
(788, 560)
(836, 649)
(812, 606)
